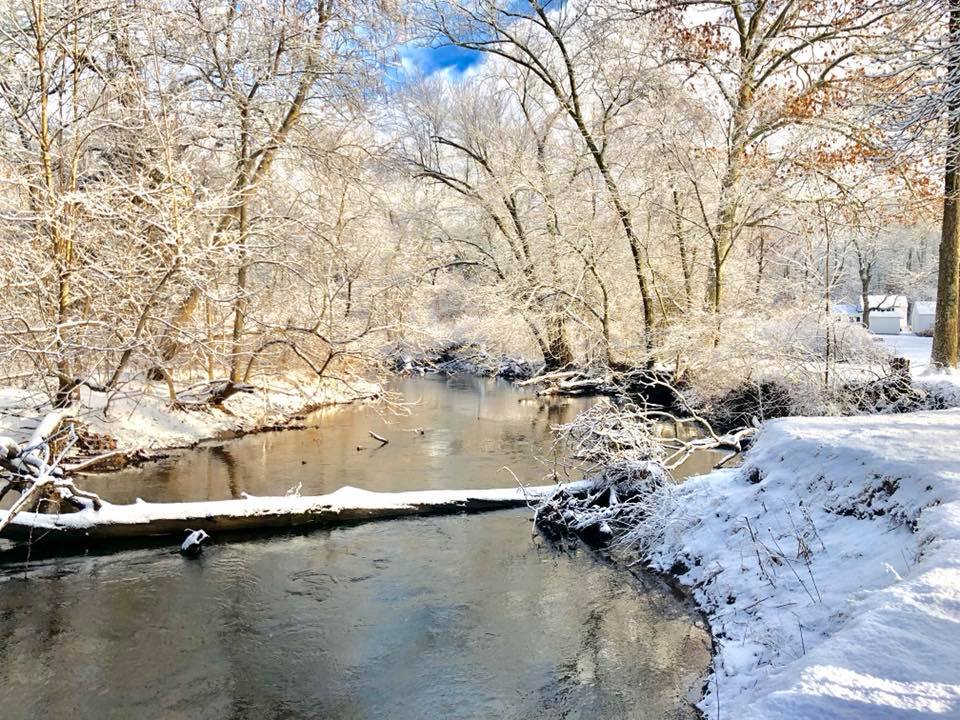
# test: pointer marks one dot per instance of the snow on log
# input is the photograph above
(47, 426)
(346, 505)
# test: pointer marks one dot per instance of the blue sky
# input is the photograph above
(447, 58)
(429, 60)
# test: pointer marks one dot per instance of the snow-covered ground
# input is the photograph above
(917, 350)
(829, 566)
(144, 419)
(913, 347)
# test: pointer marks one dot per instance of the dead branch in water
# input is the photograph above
(31, 472)
(624, 495)
(612, 432)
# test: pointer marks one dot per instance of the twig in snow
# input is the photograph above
(794, 571)
(379, 438)
(803, 645)
(756, 542)
(754, 604)
(905, 560)
(716, 682)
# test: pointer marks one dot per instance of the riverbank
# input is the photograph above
(131, 426)
(828, 566)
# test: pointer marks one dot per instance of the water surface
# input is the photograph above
(458, 432)
(461, 616)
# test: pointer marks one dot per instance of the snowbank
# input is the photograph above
(144, 420)
(829, 566)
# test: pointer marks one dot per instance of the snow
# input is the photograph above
(327, 506)
(829, 567)
(144, 420)
(945, 384)
(914, 348)
(886, 304)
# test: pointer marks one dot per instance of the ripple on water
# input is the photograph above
(463, 616)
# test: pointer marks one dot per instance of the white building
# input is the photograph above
(888, 313)
(922, 313)
(847, 311)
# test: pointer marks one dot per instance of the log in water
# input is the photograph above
(346, 505)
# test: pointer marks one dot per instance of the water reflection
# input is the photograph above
(461, 617)
(447, 617)
(472, 428)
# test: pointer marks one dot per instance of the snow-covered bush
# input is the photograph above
(789, 361)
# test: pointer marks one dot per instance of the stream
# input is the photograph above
(466, 616)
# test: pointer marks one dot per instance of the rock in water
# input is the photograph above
(193, 543)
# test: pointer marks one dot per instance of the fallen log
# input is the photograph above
(211, 394)
(346, 505)
(652, 386)
(548, 377)
(581, 386)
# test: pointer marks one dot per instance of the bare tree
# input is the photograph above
(550, 43)
(771, 65)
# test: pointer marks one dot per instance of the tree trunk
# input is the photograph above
(827, 286)
(239, 313)
(761, 263)
(558, 345)
(605, 320)
(558, 352)
(865, 280)
(170, 343)
(537, 334)
(948, 279)
(946, 319)
(723, 236)
(240, 304)
(626, 221)
(687, 257)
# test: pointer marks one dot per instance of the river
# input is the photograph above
(459, 616)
